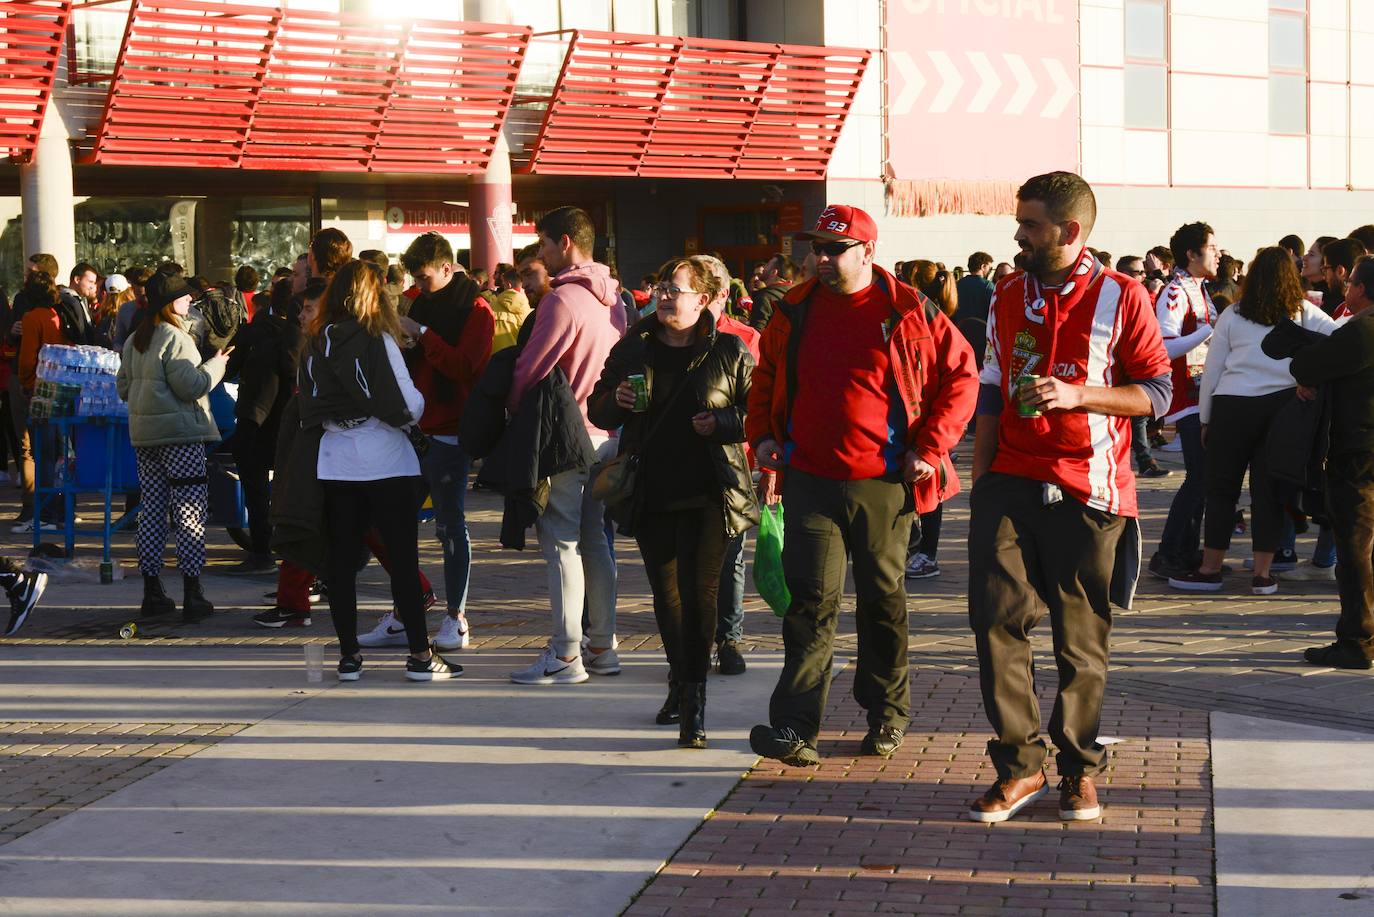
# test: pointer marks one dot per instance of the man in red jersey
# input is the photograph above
(1053, 497)
(862, 388)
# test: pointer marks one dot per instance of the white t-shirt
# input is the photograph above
(1237, 366)
(373, 450)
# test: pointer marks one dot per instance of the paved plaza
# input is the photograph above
(193, 770)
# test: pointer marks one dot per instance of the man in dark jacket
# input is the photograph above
(264, 359)
(1345, 362)
(778, 277)
(449, 328)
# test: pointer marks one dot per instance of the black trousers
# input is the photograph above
(925, 534)
(254, 451)
(683, 550)
(1026, 558)
(389, 506)
(1236, 440)
(1350, 502)
(1183, 526)
(829, 522)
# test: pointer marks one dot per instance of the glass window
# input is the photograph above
(706, 18)
(1145, 29)
(1287, 42)
(1287, 103)
(638, 16)
(1146, 96)
(594, 15)
(1299, 5)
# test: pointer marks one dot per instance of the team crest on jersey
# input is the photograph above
(1024, 359)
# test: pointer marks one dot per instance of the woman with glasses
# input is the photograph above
(683, 421)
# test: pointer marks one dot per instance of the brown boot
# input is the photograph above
(1078, 799)
(1007, 797)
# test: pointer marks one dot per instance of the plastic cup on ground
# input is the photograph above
(314, 663)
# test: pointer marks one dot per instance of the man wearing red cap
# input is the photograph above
(862, 389)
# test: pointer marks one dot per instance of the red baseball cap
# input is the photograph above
(841, 222)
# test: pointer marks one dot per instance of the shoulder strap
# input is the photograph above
(672, 399)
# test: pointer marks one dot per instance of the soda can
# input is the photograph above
(641, 387)
(1023, 409)
(128, 631)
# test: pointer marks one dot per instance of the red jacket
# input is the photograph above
(461, 365)
(935, 373)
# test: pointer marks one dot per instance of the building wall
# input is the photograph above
(1215, 156)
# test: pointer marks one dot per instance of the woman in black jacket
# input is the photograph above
(692, 491)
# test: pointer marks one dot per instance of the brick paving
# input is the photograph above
(859, 836)
(863, 836)
(48, 770)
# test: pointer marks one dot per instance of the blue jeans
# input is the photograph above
(1323, 555)
(1140, 442)
(1183, 528)
(445, 469)
(730, 595)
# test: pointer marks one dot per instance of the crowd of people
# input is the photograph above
(670, 413)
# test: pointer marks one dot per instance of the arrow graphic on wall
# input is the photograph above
(949, 75)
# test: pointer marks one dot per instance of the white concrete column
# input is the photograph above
(46, 193)
(491, 209)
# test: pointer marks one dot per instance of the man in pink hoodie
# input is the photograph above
(575, 327)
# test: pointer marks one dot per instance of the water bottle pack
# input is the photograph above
(87, 370)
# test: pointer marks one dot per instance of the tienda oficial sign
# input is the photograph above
(435, 216)
(982, 89)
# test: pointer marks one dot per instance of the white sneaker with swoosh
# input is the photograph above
(548, 669)
(388, 632)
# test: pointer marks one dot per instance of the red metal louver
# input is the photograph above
(202, 83)
(650, 105)
(31, 35)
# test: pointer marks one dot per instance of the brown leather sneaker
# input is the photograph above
(1007, 797)
(1078, 799)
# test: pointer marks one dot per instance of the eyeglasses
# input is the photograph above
(671, 291)
(1139, 272)
(833, 249)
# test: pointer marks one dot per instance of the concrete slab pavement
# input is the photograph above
(1294, 819)
(385, 797)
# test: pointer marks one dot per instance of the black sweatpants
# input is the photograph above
(389, 506)
(828, 522)
(683, 550)
(1026, 558)
(254, 451)
(1236, 439)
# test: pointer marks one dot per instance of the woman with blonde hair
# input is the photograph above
(167, 386)
(118, 291)
(355, 386)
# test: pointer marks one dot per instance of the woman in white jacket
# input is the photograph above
(1241, 392)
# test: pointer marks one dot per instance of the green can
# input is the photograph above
(641, 387)
(1023, 409)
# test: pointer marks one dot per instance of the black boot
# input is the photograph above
(155, 599)
(196, 607)
(691, 732)
(671, 711)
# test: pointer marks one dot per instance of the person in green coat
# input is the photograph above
(166, 386)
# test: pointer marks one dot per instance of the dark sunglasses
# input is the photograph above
(833, 249)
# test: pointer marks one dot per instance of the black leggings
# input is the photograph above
(389, 506)
(1236, 440)
(683, 551)
(925, 536)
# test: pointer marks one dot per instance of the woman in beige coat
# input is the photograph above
(166, 384)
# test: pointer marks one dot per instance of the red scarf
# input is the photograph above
(1046, 309)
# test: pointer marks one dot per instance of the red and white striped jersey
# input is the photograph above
(1104, 338)
(1184, 306)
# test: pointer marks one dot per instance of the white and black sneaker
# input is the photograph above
(350, 668)
(282, 617)
(435, 668)
(388, 632)
(24, 594)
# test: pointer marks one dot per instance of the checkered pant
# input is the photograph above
(175, 473)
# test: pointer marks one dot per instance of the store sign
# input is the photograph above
(982, 89)
(415, 217)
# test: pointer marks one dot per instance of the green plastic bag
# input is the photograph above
(769, 581)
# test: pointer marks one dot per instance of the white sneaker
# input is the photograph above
(548, 669)
(1173, 445)
(606, 662)
(454, 633)
(1310, 573)
(388, 632)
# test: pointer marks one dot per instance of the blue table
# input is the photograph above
(113, 434)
